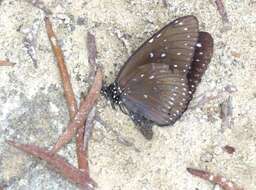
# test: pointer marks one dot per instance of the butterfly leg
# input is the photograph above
(143, 125)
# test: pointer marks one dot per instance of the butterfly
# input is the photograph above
(156, 84)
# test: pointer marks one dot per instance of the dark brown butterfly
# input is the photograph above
(157, 82)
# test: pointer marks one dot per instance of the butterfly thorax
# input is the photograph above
(113, 93)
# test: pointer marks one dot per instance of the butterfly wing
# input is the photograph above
(173, 45)
(202, 57)
(157, 92)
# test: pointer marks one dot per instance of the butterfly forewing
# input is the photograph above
(158, 92)
(173, 45)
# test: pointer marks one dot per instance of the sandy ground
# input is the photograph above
(33, 109)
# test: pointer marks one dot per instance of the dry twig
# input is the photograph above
(226, 113)
(222, 10)
(68, 90)
(40, 5)
(165, 3)
(59, 164)
(69, 94)
(216, 179)
(89, 126)
(92, 51)
(84, 109)
(6, 63)
(81, 150)
(211, 95)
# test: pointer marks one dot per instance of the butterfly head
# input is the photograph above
(113, 93)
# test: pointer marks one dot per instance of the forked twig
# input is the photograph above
(84, 109)
(69, 94)
(216, 179)
(81, 150)
(59, 164)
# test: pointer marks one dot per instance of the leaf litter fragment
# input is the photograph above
(58, 163)
(85, 106)
(216, 179)
(79, 176)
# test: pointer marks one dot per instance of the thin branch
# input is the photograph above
(216, 179)
(40, 5)
(226, 113)
(89, 126)
(84, 109)
(222, 10)
(92, 54)
(165, 3)
(68, 90)
(70, 97)
(211, 95)
(59, 164)
(81, 150)
(6, 63)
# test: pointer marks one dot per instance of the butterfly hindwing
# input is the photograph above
(157, 92)
(202, 57)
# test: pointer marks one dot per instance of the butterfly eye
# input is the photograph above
(158, 80)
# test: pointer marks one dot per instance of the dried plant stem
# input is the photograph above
(81, 150)
(84, 109)
(6, 63)
(226, 113)
(59, 164)
(217, 179)
(165, 3)
(222, 10)
(40, 5)
(70, 97)
(68, 90)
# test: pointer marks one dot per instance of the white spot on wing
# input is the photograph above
(163, 55)
(199, 45)
(151, 40)
(151, 77)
